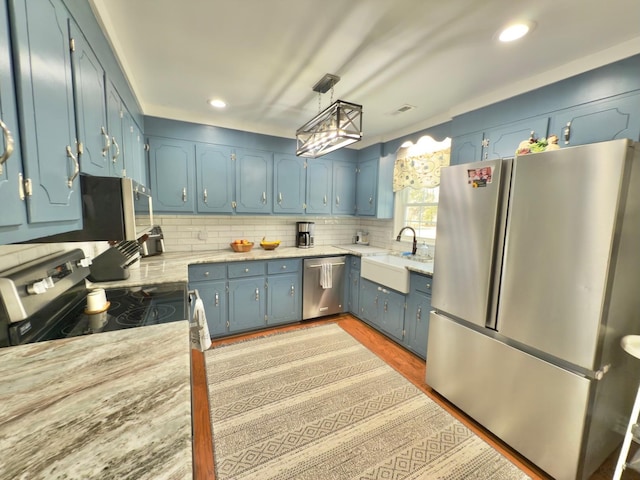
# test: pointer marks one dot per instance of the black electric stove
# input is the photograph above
(46, 300)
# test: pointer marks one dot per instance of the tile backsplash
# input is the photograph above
(193, 233)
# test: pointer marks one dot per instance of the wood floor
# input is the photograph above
(409, 365)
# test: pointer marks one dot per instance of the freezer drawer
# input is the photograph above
(316, 300)
(537, 408)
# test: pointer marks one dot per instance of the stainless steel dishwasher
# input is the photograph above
(323, 286)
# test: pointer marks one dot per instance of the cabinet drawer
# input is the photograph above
(246, 269)
(421, 283)
(283, 266)
(354, 262)
(207, 271)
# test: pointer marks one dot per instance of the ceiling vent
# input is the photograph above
(405, 108)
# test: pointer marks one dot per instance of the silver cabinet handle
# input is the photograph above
(428, 285)
(217, 300)
(385, 306)
(419, 314)
(338, 200)
(264, 197)
(376, 301)
(184, 195)
(293, 290)
(566, 133)
(206, 274)
(324, 200)
(246, 270)
(257, 294)
(280, 198)
(76, 168)
(284, 267)
(8, 144)
(370, 200)
(107, 142)
(205, 196)
(114, 159)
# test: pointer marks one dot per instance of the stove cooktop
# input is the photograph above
(128, 308)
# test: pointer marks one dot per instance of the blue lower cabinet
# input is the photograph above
(214, 297)
(247, 304)
(284, 299)
(416, 321)
(382, 307)
(353, 285)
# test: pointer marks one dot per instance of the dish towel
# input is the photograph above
(200, 337)
(326, 276)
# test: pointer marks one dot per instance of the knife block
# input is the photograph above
(109, 266)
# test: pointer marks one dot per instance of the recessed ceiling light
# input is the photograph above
(515, 31)
(217, 103)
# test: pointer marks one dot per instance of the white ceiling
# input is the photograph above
(441, 56)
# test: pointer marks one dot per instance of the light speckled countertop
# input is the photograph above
(172, 267)
(110, 406)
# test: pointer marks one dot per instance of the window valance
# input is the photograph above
(418, 166)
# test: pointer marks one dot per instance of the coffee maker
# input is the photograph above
(305, 234)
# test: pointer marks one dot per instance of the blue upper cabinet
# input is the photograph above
(47, 122)
(115, 123)
(344, 188)
(503, 141)
(319, 186)
(598, 121)
(90, 106)
(374, 187)
(215, 177)
(13, 220)
(172, 174)
(254, 181)
(289, 179)
(466, 148)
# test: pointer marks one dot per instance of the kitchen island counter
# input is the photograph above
(173, 267)
(110, 405)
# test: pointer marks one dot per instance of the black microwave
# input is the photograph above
(113, 209)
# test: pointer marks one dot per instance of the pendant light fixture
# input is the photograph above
(337, 126)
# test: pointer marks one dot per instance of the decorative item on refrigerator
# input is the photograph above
(326, 276)
(200, 337)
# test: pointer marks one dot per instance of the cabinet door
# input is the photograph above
(115, 130)
(417, 323)
(14, 214)
(354, 291)
(129, 147)
(366, 182)
(215, 179)
(214, 297)
(172, 165)
(284, 302)
(246, 304)
(254, 181)
(90, 103)
(502, 142)
(466, 148)
(369, 301)
(289, 178)
(391, 312)
(319, 186)
(599, 121)
(344, 188)
(47, 122)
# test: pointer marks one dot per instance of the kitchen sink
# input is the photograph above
(389, 270)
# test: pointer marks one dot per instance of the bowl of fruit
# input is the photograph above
(269, 244)
(241, 245)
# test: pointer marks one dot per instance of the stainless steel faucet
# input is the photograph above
(415, 242)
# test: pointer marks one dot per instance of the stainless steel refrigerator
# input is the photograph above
(536, 280)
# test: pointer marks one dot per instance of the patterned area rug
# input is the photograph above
(315, 404)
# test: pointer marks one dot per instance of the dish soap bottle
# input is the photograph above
(423, 251)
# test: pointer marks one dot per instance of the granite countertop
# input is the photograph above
(171, 267)
(114, 405)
